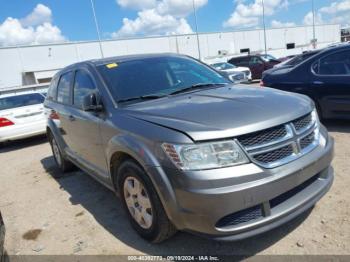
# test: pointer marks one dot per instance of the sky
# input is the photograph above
(48, 21)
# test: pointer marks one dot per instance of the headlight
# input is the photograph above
(205, 155)
(314, 117)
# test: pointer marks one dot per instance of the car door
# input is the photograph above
(331, 84)
(62, 107)
(84, 126)
(256, 65)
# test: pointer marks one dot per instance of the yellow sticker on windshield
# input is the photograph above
(112, 65)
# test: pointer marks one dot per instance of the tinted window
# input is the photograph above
(156, 76)
(83, 86)
(63, 89)
(21, 100)
(335, 64)
(255, 60)
(52, 91)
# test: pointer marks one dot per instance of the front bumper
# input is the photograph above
(199, 201)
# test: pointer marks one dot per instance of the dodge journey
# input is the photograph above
(185, 149)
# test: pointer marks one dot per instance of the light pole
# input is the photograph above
(97, 29)
(196, 25)
(263, 9)
(313, 26)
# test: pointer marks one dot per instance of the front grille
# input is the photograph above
(308, 140)
(302, 122)
(281, 144)
(263, 137)
(239, 217)
(274, 155)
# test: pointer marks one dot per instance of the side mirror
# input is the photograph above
(91, 103)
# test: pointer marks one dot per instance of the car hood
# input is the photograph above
(222, 112)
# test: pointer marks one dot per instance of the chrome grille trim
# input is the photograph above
(302, 124)
(301, 137)
(287, 131)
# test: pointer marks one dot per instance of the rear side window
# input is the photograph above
(335, 64)
(63, 88)
(83, 85)
(21, 100)
(52, 91)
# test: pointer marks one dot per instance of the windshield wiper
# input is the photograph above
(145, 97)
(197, 86)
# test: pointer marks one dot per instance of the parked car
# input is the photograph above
(2, 239)
(256, 63)
(185, 148)
(323, 76)
(234, 73)
(21, 116)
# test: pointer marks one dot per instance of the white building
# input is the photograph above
(26, 65)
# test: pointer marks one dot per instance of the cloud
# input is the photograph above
(308, 19)
(338, 12)
(336, 7)
(179, 8)
(278, 24)
(35, 28)
(152, 23)
(137, 4)
(41, 14)
(162, 17)
(248, 14)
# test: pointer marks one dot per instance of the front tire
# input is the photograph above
(142, 204)
(64, 164)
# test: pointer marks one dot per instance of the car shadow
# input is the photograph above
(105, 206)
(342, 126)
(22, 143)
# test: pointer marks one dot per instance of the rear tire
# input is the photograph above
(64, 164)
(143, 207)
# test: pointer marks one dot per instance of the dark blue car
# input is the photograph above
(324, 77)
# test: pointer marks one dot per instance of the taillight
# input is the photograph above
(5, 122)
(262, 83)
(53, 115)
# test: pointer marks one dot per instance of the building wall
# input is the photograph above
(17, 64)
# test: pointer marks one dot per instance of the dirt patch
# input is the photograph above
(32, 234)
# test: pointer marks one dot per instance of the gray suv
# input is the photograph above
(187, 150)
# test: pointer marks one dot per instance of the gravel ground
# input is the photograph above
(76, 215)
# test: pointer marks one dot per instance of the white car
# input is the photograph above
(229, 68)
(21, 116)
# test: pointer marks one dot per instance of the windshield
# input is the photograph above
(20, 100)
(268, 57)
(157, 76)
(223, 66)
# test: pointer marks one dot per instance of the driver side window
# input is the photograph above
(83, 85)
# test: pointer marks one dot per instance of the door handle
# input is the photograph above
(71, 118)
(318, 83)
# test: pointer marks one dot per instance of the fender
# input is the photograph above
(54, 129)
(139, 150)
